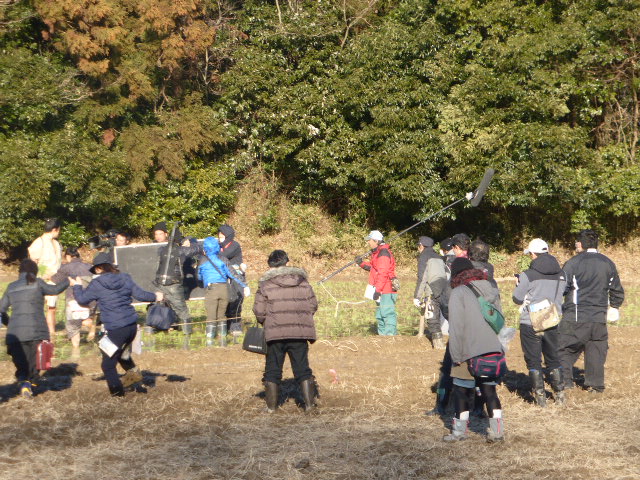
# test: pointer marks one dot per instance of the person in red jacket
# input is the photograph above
(382, 268)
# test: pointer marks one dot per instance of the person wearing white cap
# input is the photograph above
(543, 282)
(382, 268)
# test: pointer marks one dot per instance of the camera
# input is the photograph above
(103, 240)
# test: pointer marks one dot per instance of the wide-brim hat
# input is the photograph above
(102, 258)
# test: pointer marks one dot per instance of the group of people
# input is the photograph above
(101, 287)
(581, 296)
(453, 290)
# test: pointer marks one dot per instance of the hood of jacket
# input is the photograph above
(546, 264)
(211, 246)
(285, 276)
(112, 281)
(228, 232)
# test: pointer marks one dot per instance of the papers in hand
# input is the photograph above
(107, 346)
(369, 292)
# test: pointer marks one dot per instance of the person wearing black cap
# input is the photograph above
(470, 336)
(432, 281)
(231, 251)
(171, 283)
(114, 291)
(593, 296)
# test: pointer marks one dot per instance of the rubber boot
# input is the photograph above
(496, 430)
(557, 383)
(458, 431)
(437, 341)
(131, 377)
(210, 333)
(272, 392)
(222, 333)
(116, 391)
(537, 385)
(308, 389)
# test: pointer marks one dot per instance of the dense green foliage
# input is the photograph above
(122, 112)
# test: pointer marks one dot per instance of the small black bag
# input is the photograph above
(254, 341)
(160, 316)
(489, 365)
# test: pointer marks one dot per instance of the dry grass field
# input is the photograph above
(200, 416)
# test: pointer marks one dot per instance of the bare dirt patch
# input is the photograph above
(202, 418)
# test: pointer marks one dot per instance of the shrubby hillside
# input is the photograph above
(378, 112)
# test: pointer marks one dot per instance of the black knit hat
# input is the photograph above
(160, 226)
(425, 241)
(460, 264)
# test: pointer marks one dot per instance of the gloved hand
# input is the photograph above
(376, 296)
(359, 259)
(417, 302)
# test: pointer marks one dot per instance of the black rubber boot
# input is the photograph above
(442, 402)
(557, 383)
(537, 386)
(117, 391)
(272, 392)
(308, 388)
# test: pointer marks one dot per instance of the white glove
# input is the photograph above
(613, 314)
(417, 302)
(247, 292)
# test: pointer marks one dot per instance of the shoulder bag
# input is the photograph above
(544, 314)
(491, 314)
(232, 291)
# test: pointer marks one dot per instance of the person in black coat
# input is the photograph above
(231, 253)
(114, 292)
(27, 326)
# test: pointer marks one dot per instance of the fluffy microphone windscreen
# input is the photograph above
(482, 188)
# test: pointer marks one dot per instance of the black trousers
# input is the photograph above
(535, 347)
(298, 351)
(23, 355)
(592, 338)
(122, 338)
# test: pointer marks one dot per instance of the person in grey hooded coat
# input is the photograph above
(470, 336)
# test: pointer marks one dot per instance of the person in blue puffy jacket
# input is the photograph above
(214, 273)
(114, 292)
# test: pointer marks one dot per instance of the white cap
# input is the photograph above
(537, 245)
(374, 235)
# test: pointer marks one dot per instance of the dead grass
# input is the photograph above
(201, 418)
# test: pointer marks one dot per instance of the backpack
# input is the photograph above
(491, 314)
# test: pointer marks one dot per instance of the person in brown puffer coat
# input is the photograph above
(285, 305)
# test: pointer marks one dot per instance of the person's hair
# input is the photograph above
(588, 239)
(461, 240)
(108, 268)
(29, 267)
(277, 258)
(72, 252)
(51, 224)
(126, 235)
(479, 251)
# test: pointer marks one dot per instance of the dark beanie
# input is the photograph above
(460, 264)
(160, 226)
(425, 241)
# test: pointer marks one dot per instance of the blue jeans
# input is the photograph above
(386, 314)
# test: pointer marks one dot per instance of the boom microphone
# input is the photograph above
(482, 188)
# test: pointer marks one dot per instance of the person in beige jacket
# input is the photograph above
(47, 253)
